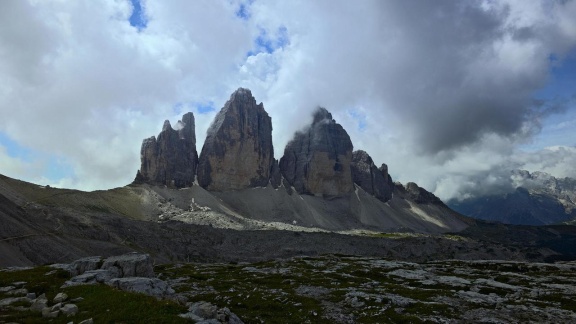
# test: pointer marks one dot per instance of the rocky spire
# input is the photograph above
(171, 159)
(317, 161)
(238, 151)
(373, 180)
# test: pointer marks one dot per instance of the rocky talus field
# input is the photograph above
(322, 289)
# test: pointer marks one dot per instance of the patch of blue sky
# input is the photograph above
(243, 11)
(179, 108)
(138, 17)
(558, 130)
(205, 108)
(54, 168)
(15, 150)
(562, 81)
(57, 169)
(559, 104)
(267, 42)
(197, 107)
(359, 117)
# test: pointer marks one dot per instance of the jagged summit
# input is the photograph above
(171, 159)
(166, 127)
(321, 114)
(242, 92)
(317, 161)
(187, 128)
(375, 181)
(238, 151)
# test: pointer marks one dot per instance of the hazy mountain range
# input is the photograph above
(539, 199)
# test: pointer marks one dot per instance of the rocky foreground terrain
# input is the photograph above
(321, 289)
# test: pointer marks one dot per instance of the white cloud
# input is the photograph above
(77, 80)
(444, 89)
(13, 166)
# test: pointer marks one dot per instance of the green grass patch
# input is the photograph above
(102, 303)
(36, 280)
(108, 305)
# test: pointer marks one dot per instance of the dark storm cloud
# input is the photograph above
(457, 81)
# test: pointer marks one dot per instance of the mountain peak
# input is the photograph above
(166, 126)
(317, 161)
(171, 158)
(321, 114)
(187, 127)
(374, 181)
(238, 151)
(242, 94)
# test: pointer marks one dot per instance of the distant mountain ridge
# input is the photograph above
(539, 199)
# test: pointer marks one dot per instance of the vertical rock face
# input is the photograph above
(238, 151)
(373, 180)
(275, 175)
(171, 159)
(317, 161)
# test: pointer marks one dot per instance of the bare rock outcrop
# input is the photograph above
(131, 265)
(204, 312)
(238, 151)
(317, 161)
(171, 159)
(417, 194)
(128, 272)
(375, 181)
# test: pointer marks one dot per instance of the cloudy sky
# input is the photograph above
(450, 94)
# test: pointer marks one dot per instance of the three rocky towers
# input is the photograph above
(238, 154)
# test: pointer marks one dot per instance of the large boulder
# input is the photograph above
(375, 181)
(238, 151)
(171, 159)
(130, 272)
(317, 160)
(204, 312)
(131, 265)
(80, 266)
(120, 266)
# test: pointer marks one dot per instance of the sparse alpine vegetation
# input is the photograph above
(323, 289)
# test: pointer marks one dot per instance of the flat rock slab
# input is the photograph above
(149, 286)
(131, 265)
(13, 300)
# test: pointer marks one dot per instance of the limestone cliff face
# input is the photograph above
(317, 161)
(171, 159)
(373, 180)
(238, 151)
